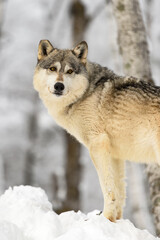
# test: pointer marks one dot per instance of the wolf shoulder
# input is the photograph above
(127, 88)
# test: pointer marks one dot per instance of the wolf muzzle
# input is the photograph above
(59, 87)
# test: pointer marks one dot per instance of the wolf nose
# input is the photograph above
(59, 87)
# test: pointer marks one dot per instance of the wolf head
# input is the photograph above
(61, 73)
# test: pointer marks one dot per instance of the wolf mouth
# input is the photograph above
(58, 93)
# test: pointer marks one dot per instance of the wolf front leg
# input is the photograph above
(108, 172)
(120, 183)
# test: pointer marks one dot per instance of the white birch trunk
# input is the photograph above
(134, 50)
(132, 38)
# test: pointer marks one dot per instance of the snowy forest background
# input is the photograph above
(33, 149)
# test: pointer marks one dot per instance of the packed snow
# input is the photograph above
(26, 214)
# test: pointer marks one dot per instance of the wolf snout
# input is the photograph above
(59, 87)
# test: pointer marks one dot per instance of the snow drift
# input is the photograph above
(26, 214)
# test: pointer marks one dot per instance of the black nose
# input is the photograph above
(59, 87)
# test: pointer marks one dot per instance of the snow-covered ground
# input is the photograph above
(26, 214)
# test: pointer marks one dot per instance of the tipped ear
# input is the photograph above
(81, 51)
(44, 48)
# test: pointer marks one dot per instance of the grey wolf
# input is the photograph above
(116, 118)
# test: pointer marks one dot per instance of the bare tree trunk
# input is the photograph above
(2, 185)
(32, 135)
(153, 173)
(73, 174)
(1, 14)
(132, 39)
(1, 158)
(134, 50)
(80, 20)
(73, 166)
(148, 16)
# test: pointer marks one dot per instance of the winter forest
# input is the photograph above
(34, 150)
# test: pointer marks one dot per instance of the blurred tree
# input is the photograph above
(73, 166)
(134, 50)
(2, 2)
(32, 125)
(80, 20)
(132, 39)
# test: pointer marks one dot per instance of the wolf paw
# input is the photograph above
(119, 214)
(110, 215)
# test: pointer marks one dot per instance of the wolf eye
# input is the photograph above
(70, 71)
(53, 69)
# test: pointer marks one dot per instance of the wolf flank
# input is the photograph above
(116, 118)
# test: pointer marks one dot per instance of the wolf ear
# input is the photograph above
(81, 51)
(44, 48)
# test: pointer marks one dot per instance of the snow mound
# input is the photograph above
(26, 214)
